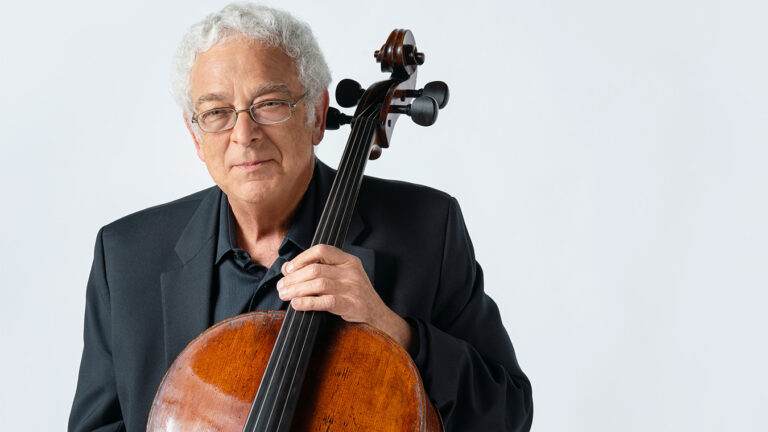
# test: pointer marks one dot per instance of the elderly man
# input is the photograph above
(253, 86)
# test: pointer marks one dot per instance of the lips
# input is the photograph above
(250, 165)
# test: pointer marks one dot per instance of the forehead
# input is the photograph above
(239, 70)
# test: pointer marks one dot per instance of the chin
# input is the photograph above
(255, 192)
(251, 196)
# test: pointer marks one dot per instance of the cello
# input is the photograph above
(251, 372)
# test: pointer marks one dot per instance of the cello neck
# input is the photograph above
(337, 213)
(275, 403)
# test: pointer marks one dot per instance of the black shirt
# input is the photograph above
(244, 286)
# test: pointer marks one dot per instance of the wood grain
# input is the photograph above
(359, 380)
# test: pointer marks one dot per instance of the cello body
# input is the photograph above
(359, 379)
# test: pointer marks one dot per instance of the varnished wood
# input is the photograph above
(359, 380)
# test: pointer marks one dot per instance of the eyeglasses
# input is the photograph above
(265, 112)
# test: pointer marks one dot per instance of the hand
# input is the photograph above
(324, 278)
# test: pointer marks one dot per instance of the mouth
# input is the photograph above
(251, 165)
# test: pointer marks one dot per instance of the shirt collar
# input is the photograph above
(299, 234)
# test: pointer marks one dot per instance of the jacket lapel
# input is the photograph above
(187, 290)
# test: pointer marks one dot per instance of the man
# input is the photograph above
(253, 86)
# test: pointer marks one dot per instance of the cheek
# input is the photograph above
(299, 152)
(213, 153)
(301, 143)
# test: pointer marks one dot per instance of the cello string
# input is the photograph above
(330, 206)
(351, 195)
(284, 337)
(354, 156)
(332, 201)
(323, 230)
(353, 184)
(333, 204)
(358, 160)
(355, 161)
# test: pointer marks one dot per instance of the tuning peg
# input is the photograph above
(438, 91)
(334, 119)
(348, 92)
(423, 110)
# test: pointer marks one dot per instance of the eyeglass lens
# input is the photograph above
(267, 112)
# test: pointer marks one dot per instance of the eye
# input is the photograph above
(216, 112)
(270, 104)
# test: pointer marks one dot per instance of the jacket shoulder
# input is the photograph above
(157, 221)
(400, 196)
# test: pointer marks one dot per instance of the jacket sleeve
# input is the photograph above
(466, 359)
(96, 406)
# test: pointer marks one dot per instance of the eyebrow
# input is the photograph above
(265, 88)
(273, 88)
(209, 97)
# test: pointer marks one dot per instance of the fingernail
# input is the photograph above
(289, 267)
(279, 284)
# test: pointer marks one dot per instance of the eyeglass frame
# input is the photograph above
(291, 106)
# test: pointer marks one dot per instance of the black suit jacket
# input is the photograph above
(150, 292)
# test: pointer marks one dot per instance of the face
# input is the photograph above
(261, 165)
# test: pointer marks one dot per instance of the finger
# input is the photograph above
(307, 288)
(321, 253)
(327, 303)
(309, 272)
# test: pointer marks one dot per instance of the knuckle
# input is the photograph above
(354, 304)
(323, 285)
(314, 270)
(330, 302)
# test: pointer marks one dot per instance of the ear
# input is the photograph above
(198, 147)
(318, 125)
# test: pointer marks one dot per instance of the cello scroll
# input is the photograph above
(400, 57)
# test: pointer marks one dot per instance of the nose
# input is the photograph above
(246, 131)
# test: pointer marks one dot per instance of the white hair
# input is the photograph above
(271, 27)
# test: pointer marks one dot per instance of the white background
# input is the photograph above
(609, 157)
